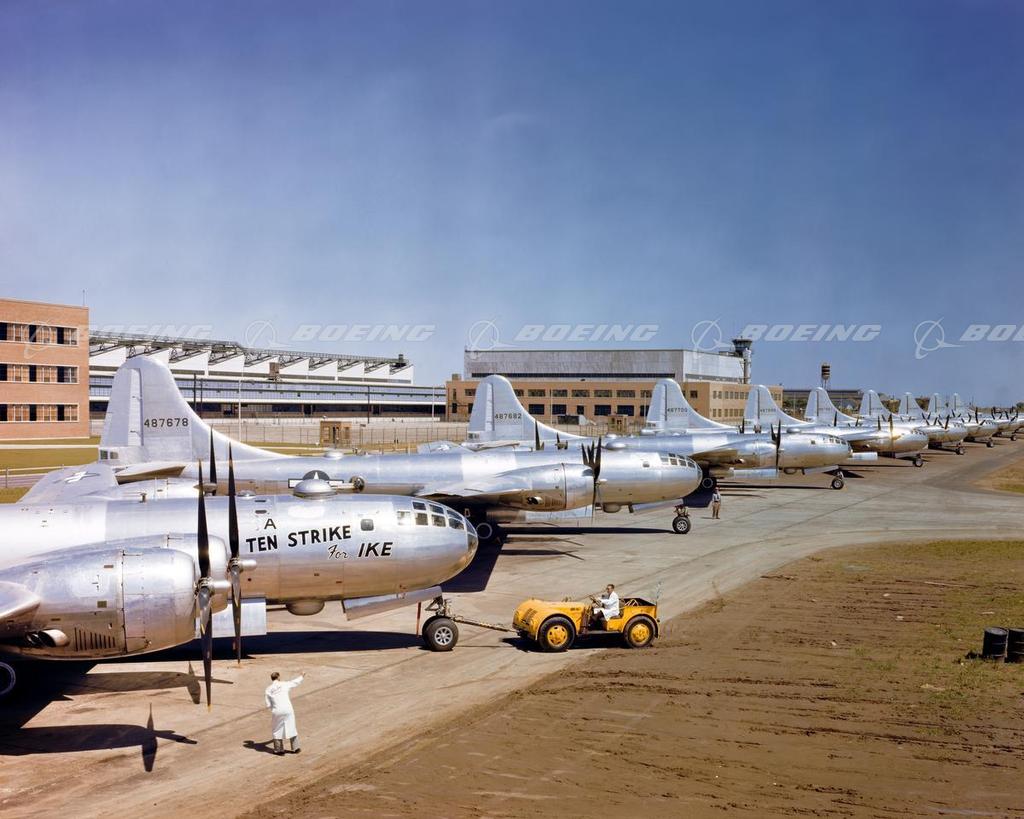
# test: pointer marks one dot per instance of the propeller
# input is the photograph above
(235, 563)
(743, 426)
(777, 440)
(538, 445)
(592, 459)
(204, 591)
(213, 466)
(835, 418)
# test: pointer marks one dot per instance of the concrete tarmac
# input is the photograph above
(129, 737)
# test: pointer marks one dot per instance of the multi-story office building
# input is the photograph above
(44, 366)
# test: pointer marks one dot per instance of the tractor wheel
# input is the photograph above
(681, 524)
(556, 634)
(440, 634)
(639, 632)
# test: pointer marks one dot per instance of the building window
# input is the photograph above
(625, 394)
(537, 393)
(558, 409)
(693, 393)
(19, 412)
(579, 409)
(581, 393)
(470, 393)
(625, 409)
(602, 409)
(18, 372)
(535, 409)
(519, 393)
(645, 393)
(46, 375)
(67, 375)
(559, 393)
(602, 393)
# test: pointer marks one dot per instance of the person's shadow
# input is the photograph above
(265, 747)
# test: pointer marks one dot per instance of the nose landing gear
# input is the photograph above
(681, 522)
(838, 482)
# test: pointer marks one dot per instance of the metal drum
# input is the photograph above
(993, 646)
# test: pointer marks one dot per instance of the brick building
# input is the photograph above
(44, 370)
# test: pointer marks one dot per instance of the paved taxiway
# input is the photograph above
(126, 737)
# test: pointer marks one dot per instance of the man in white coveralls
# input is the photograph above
(282, 713)
(606, 607)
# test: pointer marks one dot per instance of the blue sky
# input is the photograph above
(528, 163)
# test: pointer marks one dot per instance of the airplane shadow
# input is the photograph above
(62, 739)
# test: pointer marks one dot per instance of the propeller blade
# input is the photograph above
(202, 535)
(206, 638)
(537, 445)
(835, 418)
(203, 592)
(213, 465)
(597, 474)
(234, 567)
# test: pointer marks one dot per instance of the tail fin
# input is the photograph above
(498, 415)
(149, 420)
(956, 405)
(821, 410)
(763, 412)
(871, 405)
(671, 412)
(909, 406)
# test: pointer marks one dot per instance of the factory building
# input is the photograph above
(224, 379)
(558, 386)
(44, 363)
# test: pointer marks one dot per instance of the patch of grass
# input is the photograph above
(1009, 479)
(13, 494)
(92, 439)
(46, 458)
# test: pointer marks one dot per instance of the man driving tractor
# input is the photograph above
(605, 608)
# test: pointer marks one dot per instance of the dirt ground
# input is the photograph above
(837, 686)
(1010, 479)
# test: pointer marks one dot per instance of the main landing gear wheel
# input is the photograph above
(556, 634)
(8, 678)
(639, 632)
(838, 482)
(440, 634)
(490, 533)
(1013, 437)
(959, 449)
(918, 461)
(990, 443)
(681, 524)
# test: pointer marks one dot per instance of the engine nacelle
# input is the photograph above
(552, 488)
(109, 602)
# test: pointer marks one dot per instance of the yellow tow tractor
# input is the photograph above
(556, 626)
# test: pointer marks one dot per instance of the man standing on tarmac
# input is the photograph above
(282, 713)
(716, 504)
(606, 607)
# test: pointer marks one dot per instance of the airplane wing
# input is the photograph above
(16, 607)
(440, 446)
(148, 470)
(499, 489)
(719, 455)
(71, 483)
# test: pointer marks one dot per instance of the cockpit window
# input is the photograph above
(419, 505)
(436, 509)
(421, 519)
(438, 520)
(404, 518)
(366, 524)
(455, 521)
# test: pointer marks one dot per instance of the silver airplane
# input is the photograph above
(889, 440)
(990, 423)
(151, 431)
(498, 419)
(942, 433)
(90, 572)
(979, 430)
